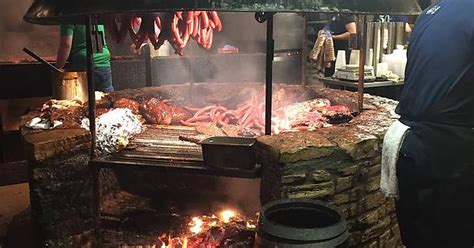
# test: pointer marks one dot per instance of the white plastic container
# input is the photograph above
(400, 61)
(396, 61)
(341, 59)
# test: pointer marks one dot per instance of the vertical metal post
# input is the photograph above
(90, 82)
(2, 152)
(360, 86)
(269, 74)
(148, 74)
(90, 29)
(304, 51)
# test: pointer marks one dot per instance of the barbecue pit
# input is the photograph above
(158, 150)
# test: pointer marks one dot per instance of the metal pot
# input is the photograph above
(69, 85)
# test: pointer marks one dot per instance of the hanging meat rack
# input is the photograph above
(91, 12)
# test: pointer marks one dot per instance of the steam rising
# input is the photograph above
(15, 33)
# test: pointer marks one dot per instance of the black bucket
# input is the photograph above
(301, 224)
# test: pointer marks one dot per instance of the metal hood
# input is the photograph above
(74, 11)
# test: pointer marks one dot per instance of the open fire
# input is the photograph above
(226, 229)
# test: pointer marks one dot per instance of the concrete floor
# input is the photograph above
(13, 200)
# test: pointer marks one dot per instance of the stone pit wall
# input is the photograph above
(340, 165)
(61, 189)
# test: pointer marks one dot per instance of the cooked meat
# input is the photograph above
(70, 117)
(69, 112)
(164, 113)
(312, 120)
(211, 130)
(194, 138)
(231, 130)
(156, 112)
(288, 94)
(302, 107)
(250, 132)
(180, 114)
(101, 111)
(336, 114)
(127, 103)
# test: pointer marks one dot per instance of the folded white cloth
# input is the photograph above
(392, 144)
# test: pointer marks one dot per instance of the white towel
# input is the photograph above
(392, 144)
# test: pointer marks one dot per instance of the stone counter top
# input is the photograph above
(360, 138)
(48, 144)
(366, 128)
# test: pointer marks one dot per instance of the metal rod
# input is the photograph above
(363, 40)
(90, 28)
(90, 82)
(269, 75)
(148, 75)
(41, 60)
(304, 50)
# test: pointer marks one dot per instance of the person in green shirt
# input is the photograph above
(73, 49)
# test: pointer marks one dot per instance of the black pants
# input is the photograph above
(329, 72)
(432, 212)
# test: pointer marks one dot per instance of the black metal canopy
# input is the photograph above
(74, 11)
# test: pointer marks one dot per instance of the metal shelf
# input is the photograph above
(368, 84)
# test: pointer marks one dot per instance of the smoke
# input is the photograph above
(15, 33)
(202, 65)
(243, 194)
(240, 30)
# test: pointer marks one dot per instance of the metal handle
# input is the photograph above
(41, 60)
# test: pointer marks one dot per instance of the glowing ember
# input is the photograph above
(196, 225)
(250, 225)
(210, 231)
(226, 215)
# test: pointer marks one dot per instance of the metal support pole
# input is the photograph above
(90, 27)
(304, 50)
(362, 45)
(269, 74)
(148, 74)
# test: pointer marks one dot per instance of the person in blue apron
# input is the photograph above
(341, 28)
(435, 158)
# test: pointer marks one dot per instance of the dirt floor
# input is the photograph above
(13, 200)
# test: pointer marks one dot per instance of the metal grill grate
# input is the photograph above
(159, 148)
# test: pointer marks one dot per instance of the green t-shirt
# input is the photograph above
(77, 57)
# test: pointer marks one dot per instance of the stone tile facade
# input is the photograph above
(338, 165)
(61, 190)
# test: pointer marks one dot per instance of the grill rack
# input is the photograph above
(159, 149)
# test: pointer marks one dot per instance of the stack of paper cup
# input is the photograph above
(341, 59)
(370, 57)
(354, 60)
